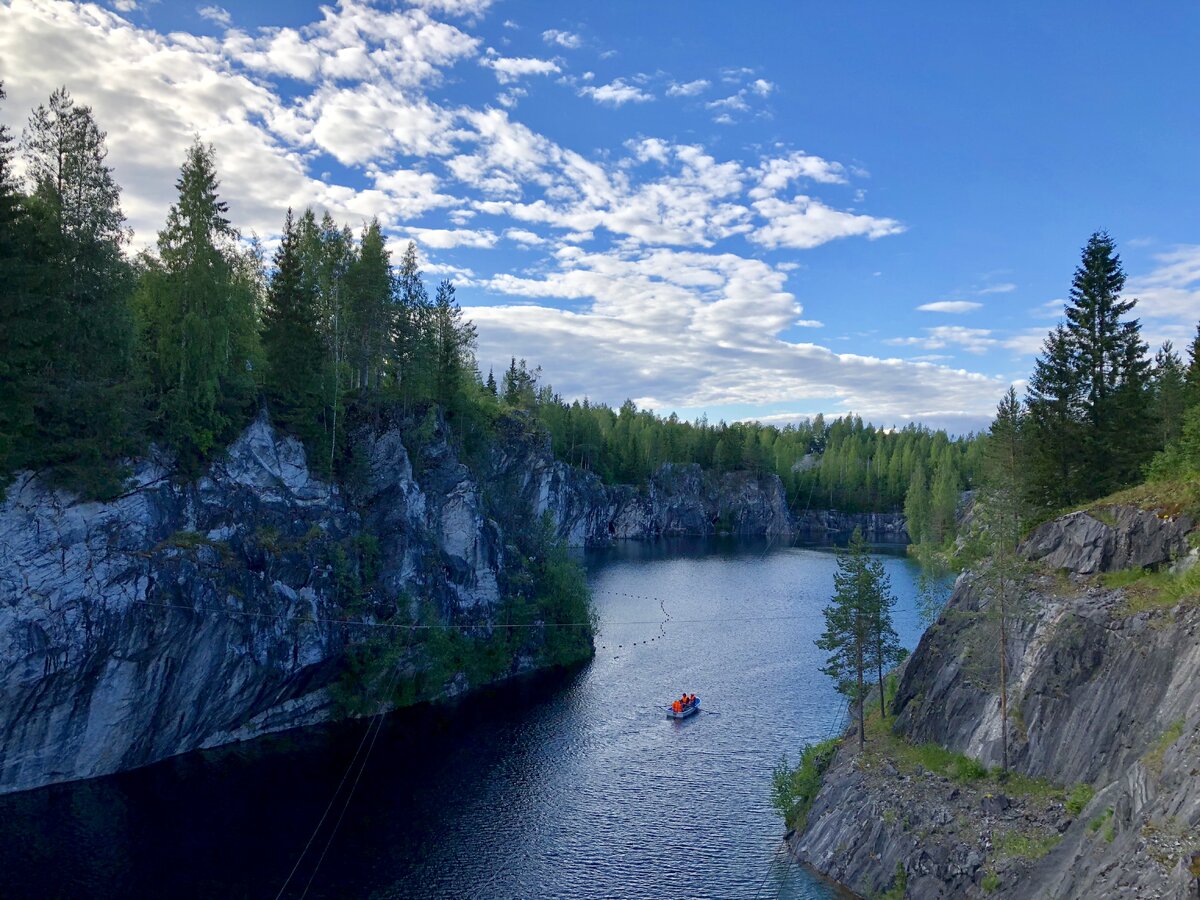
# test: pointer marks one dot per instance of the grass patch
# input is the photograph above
(1103, 821)
(991, 882)
(1153, 757)
(1079, 797)
(1031, 845)
(793, 790)
(1168, 497)
(1146, 590)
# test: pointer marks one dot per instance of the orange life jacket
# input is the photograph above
(677, 706)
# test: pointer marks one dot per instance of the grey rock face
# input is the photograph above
(1098, 694)
(185, 616)
(1131, 538)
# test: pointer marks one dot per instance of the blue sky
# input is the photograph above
(749, 211)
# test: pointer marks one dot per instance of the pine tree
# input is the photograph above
(291, 341)
(857, 625)
(196, 308)
(82, 397)
(1192, 378)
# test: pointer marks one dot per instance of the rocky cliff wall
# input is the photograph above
(182, 616)
(1104, 691)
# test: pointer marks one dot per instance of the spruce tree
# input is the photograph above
(1169, 391)
(1111, 366)
(1192, 377)
(1056, 423)
(291, 342)
(196, 308)
(414, 344)
(917, 507)
(454, 343)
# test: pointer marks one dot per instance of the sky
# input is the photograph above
(744, 211)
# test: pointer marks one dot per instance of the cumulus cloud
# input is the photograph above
(562, 38)
(688, 88)
(445, 238)
(216, 14)
(950, 306)
(616, 93)
(804, 223)
(511, 68)
(1171, 290)
(711, 324)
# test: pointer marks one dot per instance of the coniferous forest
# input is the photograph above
(104, 353)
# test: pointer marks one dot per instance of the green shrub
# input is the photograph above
(1079, 797)
(991, 882)
(794, 790)
(1030, 845)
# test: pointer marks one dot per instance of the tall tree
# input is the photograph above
(1056, 422)
(413, 345)
(856, 621)
(1111, 365)
(291, 341)
(1169, 389)
(26, 319)
(1192, 378)
(81, 400)
(1000, 516)
(369, 291)
(453, 343)
(196, 307)
(917, 507)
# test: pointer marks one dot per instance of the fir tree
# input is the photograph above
(291, 341)
(917, 507)
(1111, 367)
(1169, 390)
(1056, 424)
(453, 342)
(370, 311)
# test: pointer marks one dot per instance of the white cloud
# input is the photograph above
(446, 238)
(688, 88)
(472, 9)
(762, 87)
(950, 306)
(562, 38)
(972, 340)
(216, 14)
(776, 174)
(616, 93)
(510, 68)
(735, 102)
(125, 6)
(1004, 288)
(804, 222)
(522, 236)
(1171, 290)
(711, 325)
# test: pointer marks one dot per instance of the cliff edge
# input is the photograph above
(1103, 798)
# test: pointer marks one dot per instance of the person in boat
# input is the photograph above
(683, 700)
(677, 706)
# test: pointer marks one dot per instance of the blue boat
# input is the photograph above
(690, 710)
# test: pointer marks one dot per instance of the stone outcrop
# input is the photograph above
(1108, 540)
(1103, 692)
(182, 616)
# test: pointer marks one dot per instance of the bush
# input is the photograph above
(1080, 796)
(794, 790)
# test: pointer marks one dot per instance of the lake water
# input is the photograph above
(575, 786)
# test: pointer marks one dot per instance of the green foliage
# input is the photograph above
(859, 634)
(991, 882)
(1079, 797)
(1153, 757)
(1029, 845)
(899, 887)
(793, 790)
(195, 308)
(292, 345)
(1105, 821)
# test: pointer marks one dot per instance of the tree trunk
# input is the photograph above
(862, 729)
(1003, 681)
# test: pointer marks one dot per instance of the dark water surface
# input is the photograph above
(576, 786)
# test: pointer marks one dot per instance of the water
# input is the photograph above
(574, 787)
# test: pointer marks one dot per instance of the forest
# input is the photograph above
(104, 353)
